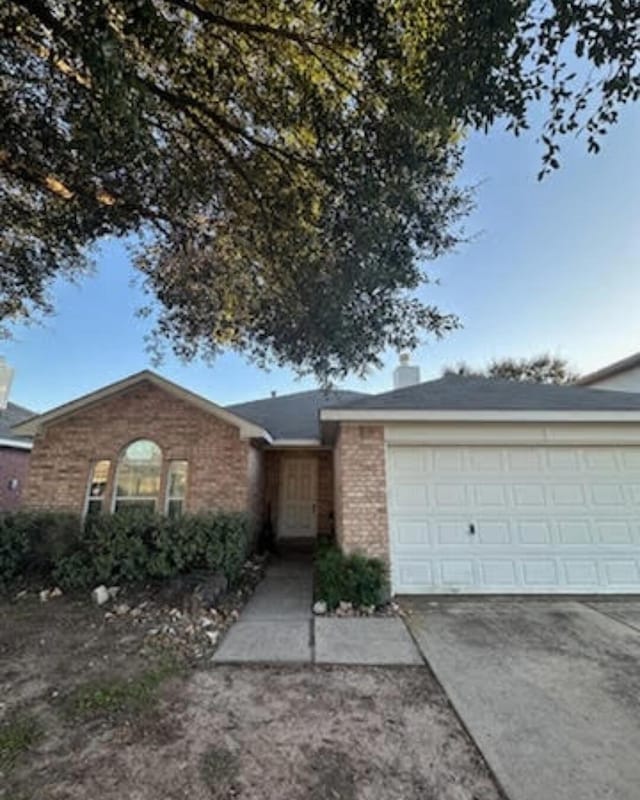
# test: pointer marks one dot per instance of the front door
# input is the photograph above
(297, 516)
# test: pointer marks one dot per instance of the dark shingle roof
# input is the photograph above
(10, 416)
(460, 393)
(292, 416)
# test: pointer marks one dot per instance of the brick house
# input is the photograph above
(459, 484)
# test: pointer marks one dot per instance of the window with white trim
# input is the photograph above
(97, 488)
(176, 488)
(139, 476)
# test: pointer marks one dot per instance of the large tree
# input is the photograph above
(282, 168)
(544, 368)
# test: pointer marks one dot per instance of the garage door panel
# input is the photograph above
(621, 572)
(529, 495)
(581, 573)
(499, 572)
(546, 519)
(456, 572)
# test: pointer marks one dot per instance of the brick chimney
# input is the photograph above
(6, 376)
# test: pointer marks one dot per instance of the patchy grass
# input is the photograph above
(219, 766)
(119, 696)
(17, 736)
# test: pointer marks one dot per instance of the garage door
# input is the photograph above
(515, 519)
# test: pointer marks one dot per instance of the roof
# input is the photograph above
(611, 369)
(293, 416)
(29, 426)
(455, 393)
(12, 415)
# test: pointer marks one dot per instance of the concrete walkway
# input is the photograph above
(277, 626)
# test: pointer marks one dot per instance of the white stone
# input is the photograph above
(113, 591)
(122, 609)
(320, 607)
(100, 595)
(344, 606)
(57, 592)
(44, 595)
(213, 636)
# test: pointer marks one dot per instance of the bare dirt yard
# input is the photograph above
(115, 706)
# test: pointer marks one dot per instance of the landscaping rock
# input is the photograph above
(56, 592)
(121, 609)
(100, 595)
(44, 595)
(113, 592)
(345, 607)
(320, 607)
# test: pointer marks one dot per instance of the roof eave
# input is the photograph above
(609, 371)
(16, 444)
(481, 415)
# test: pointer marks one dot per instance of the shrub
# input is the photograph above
(31, 542)
(130, 546)
(354, 578)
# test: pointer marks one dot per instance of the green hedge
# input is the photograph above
(354, 578)
(119, 548)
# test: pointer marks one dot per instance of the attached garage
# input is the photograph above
(473, 485)
(519, 519)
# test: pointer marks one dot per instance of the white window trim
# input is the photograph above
(168, 497)
(87, 493)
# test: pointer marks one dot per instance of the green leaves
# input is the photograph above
(286, 169)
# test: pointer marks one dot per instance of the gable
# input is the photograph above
(145, 381)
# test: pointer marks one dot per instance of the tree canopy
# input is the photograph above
(285, 169)
(544, 368)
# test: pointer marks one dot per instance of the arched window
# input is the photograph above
(138, 478)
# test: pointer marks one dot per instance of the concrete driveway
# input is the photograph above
(549, 689)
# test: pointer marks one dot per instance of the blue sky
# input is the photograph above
(553, 266)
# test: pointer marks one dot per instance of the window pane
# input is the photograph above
(174, 508)
(139, 471)
(99, 478)
(94, 507)
(177, 480)
(144, 505)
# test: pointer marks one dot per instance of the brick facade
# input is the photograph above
(360, 490)
(14, 466)
(273, 471)
(223, 471)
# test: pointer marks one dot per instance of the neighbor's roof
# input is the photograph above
(455, 393)
(293, 416)
(29, 426)
(611, 369)
(13, 415)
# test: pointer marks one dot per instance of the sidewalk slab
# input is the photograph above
(366, 641)
(280, 598)
(266, 641)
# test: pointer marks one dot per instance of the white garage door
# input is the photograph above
(514, 519)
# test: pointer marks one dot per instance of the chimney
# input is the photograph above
(6, 376)
(405, 374)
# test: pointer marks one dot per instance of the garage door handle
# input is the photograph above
(472, 528)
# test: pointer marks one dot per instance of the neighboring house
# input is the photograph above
(621, 376)
(14, 449)
(14, 456)
(460, 484)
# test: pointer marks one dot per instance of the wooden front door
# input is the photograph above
(298, 516)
